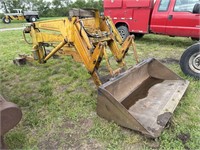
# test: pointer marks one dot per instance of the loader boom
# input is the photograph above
(76, 37)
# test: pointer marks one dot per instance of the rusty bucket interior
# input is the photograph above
(143, 98)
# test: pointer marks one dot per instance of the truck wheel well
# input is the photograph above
(123, 30)
(137, 35)
(121, 24)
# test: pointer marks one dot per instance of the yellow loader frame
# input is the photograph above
(85, 39)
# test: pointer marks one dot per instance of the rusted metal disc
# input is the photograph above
(10, 115)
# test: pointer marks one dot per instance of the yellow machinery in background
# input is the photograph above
(29, 16)
(141, 98)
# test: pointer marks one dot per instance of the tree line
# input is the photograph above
(56, 8)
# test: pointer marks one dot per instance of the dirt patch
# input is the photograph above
(71, 135)
(184, 137)
(169, 61)
(86, 124)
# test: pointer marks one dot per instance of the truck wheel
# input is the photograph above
(190, 61)
(7, 21)
(32, 19)
(123, 31)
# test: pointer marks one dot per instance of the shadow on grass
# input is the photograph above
(164, 40)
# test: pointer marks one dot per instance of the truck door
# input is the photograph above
(159, 16)
(181, 21)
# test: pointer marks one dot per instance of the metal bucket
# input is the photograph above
(10, 115)
(143, 98)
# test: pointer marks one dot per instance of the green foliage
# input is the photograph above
(17, 137)
(88, 4)
(56, 8)
(1, 15)
(9, 5)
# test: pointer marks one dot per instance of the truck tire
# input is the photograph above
(7, 21)
(33, 19)
(190, 61)
(123, 31)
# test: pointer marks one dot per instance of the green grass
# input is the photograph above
(21, 23)
(58, 101)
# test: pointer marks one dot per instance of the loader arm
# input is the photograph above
(86, 41)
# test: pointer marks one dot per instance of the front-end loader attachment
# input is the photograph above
(143, 98)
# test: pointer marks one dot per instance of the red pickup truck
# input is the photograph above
(168, 17)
